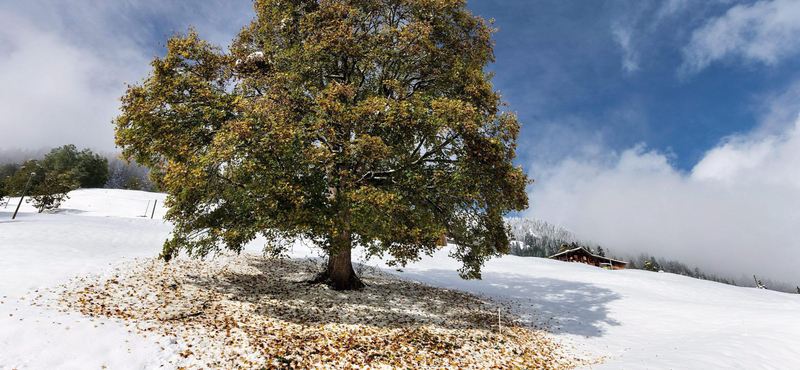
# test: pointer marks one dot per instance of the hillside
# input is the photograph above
(635, 319)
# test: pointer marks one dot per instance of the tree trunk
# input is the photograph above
(339, 273)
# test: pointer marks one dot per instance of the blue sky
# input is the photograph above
(666, 127)
(562, 63)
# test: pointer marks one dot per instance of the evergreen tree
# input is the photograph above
(6, 171)
(651, 265)
(529, 240)
(51, 191)
(92, 170)
(121, 172)
(133, 184)
(798, 290)
(62, 160)
(600, 251)
(16, 183)
(369, 122)
(84, 168)
(46, 190)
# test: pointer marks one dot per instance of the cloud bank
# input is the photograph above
(63, 66)
(737, 211)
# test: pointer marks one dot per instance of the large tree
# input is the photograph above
(349, 122)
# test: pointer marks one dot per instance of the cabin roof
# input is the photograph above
(587, 252)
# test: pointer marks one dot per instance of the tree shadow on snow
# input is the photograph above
(279, 289)
(561, 306)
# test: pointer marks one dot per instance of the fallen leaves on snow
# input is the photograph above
(250, 312)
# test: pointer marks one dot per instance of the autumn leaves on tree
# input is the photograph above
(368, 123)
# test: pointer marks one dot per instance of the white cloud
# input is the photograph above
(767, 32)
(622, 36)
(62, 66)
(670, 7)
(630, 59)
(735, 212)
(55, 92)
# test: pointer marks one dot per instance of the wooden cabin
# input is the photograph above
(581, 255)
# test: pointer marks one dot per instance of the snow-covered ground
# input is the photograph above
(637, 319)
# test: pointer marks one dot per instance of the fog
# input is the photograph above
(737, 211)
(63, 65)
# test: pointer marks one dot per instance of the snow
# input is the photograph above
(637, 319)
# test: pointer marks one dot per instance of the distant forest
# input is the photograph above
(537, 238)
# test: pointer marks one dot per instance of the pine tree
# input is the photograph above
(6, 171)
(600, 251)
(369, 122)
(85, 169)
(51, 191)
(798, 290)
(529, 240)
(651, 265)
(133, 184)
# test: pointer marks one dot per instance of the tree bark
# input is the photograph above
(339, 273)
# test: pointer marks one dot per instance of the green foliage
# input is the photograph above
(51, 191)
(86, 169)
(133, 184)
(651, 265)
(15, 184)
(600, 251)
(47, 189)
(369, 122)
(6, 171)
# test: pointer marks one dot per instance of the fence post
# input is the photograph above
(146, 208)
(25, 192)
(499, 324)
(154, 209)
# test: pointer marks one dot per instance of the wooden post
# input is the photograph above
(146, 208)
(25, 192)
(154, 209)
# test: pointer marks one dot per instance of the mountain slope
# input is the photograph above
(637, 319)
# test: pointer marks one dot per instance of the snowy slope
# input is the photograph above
(638, 319)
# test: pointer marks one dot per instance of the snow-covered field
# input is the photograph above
(637, 319)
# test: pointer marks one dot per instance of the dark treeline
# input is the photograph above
(536, 238)
(49, 175)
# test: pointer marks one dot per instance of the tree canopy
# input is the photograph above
(84, 168)
(46, 187)
(369, 122)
